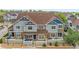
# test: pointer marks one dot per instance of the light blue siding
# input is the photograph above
(24, 27)
(50, 30)
(56, 22)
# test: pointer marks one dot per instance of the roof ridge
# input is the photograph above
(38, 17)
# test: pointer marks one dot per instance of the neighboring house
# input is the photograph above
(38, 26)
(10, 16)
(70, 19)
(73, 22)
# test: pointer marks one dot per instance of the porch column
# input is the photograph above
(14, 35)
(36, 39)
(46, 38)
(56, 35)
(22, 36)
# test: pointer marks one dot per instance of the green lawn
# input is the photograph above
(1, 13)
(1, 17)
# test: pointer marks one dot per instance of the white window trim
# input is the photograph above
(41, 35)
(17, 26)
(61, 36)
(55, 27)
(43, 26)
(30, 26)
(54, 36)
(29, 35)
(61, 25)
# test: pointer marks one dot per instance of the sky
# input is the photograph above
(59, 5)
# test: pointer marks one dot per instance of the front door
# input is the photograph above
(13, 34)
(34, 36)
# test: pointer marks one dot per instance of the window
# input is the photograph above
(30, 27)
(17, 33)
(59, 34)
(60, 26)
(41, 27)
(53, 35)
(53, 27)
(18, 27)
(41, 36)
(71, 24)
(77, 26)
(29, 36)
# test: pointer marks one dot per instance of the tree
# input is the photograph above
(1, 40)
(62, 17)
(72, 37)
(1, 19)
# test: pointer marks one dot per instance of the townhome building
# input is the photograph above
(36, 26)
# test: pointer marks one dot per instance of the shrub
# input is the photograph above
(0, 40)
(44, 45)
(74, 45)
(50, 44)
(63, 44)
(56, 43)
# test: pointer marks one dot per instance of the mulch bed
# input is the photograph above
(23, 46)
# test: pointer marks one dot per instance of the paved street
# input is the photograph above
(3, 31)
